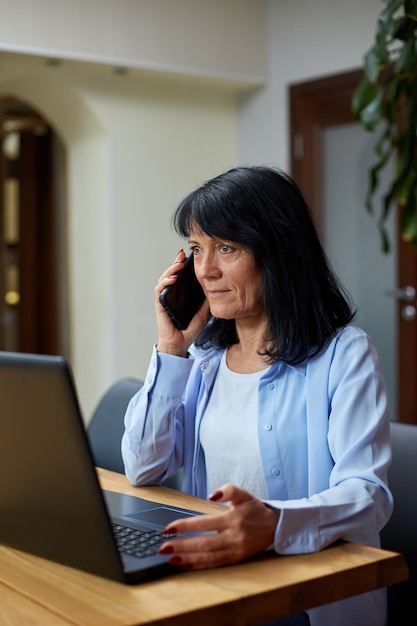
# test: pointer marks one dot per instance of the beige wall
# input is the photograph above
(223, 38)
(135, 145)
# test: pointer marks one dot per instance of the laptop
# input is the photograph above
(51, 502)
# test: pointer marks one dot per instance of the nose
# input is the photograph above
(206, 266)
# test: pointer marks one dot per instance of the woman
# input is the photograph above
(270, 400)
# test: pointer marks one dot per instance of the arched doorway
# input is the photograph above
(32, 233)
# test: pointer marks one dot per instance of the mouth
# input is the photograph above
(215, 293)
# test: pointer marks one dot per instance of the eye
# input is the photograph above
(195, 249)
(226, 248)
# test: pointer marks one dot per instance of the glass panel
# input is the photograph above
(353, 242)
(11, 146)
(12, 295)
(11, 191)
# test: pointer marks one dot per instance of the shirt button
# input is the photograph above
(271, 385)
(276, 471)
(268, 426)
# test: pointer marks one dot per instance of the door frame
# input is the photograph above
(31, 323)
(314, 106)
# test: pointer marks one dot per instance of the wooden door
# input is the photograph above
(315, 106)
(28, 259)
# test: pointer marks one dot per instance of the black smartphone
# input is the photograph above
(182, 299)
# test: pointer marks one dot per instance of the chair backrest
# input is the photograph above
(106, 428)
(400, 533)
(106, 425)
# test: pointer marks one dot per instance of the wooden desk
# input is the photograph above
(40, 592)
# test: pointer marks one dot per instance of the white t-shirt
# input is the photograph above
(228, 432)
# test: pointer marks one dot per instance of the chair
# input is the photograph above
(400, 533)
(106, 428)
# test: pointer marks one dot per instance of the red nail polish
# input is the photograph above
(166, 550)
(175, 560)
(216, 495)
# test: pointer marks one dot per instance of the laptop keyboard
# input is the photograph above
(136, 542)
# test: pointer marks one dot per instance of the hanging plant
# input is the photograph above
(387, 94)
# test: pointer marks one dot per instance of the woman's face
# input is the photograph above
(229, 276)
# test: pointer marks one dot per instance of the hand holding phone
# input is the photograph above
(182, 299)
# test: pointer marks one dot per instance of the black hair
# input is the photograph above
(263, 209)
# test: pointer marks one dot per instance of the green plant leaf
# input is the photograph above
(405, 187)
(370, 115)
(394, 90)
(409, 219)
(386, 246)
(406, 61)
(410, 8)
(385, 19)
(373, 184)
(387, 203)
(362, 96)
(383, 145)
(389, 93)
(404, 28)
(383, 153)
(374, 61)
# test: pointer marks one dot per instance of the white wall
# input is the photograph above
(137, 143)
(306, 39)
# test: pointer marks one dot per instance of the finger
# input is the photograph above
(199, 523)
(230, 493)
(203, 560)
(175, 267)
(199, 561)
(204, 551)
(180, 255)
(197, 544)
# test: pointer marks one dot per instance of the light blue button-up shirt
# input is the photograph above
(323, 433)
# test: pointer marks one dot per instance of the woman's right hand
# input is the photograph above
(170, 339)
